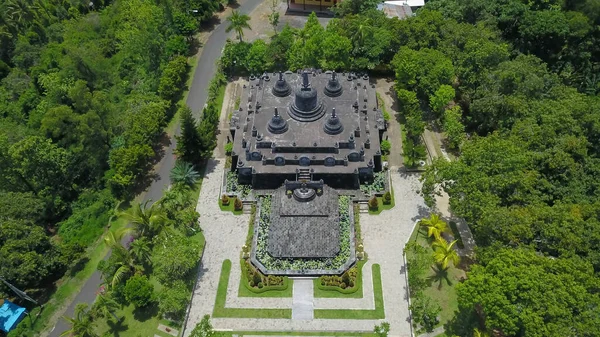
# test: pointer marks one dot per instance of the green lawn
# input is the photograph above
(230, 208)
(377, 313)
(332, 292)
(220, 310)
(442, 289)
(383, 207)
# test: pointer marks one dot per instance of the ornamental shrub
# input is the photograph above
(374, 203)
(386, 146)
(387, 198)
(237, 204)
(225, 200)
(228, 148)
(139, 291)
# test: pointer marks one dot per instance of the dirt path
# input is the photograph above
(385, 88)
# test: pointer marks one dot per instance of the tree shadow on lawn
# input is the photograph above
(146, 313)
(439, 276)
(116, 328)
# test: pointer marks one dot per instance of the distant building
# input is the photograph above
(308, 6)
(400, 9)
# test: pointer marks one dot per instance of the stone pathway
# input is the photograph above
(302, 304)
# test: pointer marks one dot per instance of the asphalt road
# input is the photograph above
(198, 94)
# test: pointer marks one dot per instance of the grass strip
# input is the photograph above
(244, 289)
(220, 310)
(230, 207)
(337, 292)
(377, 313)
(383, 207)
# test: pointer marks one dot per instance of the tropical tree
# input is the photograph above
(444, 252)
(435, 226)
(140, 250)
(82, 323)
(237, 23)
(105, 306)
(147, 221)
(184, 174)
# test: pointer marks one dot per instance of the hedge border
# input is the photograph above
(266, 289)
(220, 311)
(321, 291)
(377, 313)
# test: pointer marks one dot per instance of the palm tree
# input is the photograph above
(184, 174)
(140, 250)
(123, 260)
(443, 253)
(435, 226)
(105, 306)
(82, 324)
(238, 22)
(147, 221)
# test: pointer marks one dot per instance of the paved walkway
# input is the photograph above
(302, 305)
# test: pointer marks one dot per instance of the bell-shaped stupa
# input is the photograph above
(281, 87)
(333, 87)
(277, 125)
(306, 106)
(333, 125)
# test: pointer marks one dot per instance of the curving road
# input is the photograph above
(198, 94)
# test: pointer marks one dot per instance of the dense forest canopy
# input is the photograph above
(85, 91)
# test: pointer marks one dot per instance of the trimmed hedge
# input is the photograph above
(265, 288)
(357, 282)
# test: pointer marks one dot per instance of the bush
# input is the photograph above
(139, 291)
(90, 215)
(373, 203)
(224, 200)
(386, 146)
(425, 312)
(387, 198)
(237, 204)
(173, 300)
(228, 148)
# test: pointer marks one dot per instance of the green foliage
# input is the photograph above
(189, 143)
(413, 153)
(440, 99)
(229, 148)
(175, 257)
(348, 7)
(453, 127)
(237, 204)
(387, 198)
(237, 23)
(184, 174)
(382, 329)
(424, 312)
(173, 300)
(204, 328)
(564, 287)
(373, 203)
(91, 213)
(82, 323)
(224, 200)
(386, 146)
(256, 60)
(172, 79)
(378, 184)
(419, 260)
(139, 291)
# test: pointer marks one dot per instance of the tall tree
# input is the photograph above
(146, 220)
(435, 226)
(189, 144)
(184, 174)
(238, 22)
(82, 323)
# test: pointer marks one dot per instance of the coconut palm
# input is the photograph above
(140, 250)
(435, 226)
(184, 174)
(105, 306)
(146, 221)
(238, 22)
(444, 252)
(82, 324)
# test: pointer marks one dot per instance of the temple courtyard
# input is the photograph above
(384, 236)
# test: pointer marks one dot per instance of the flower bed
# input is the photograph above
(348, 283)
(272, 263)
(233, 187)
(377, 186)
